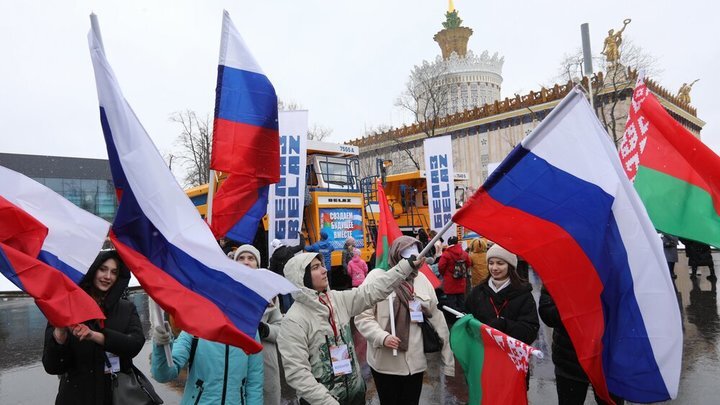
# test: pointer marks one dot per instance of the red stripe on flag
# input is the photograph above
(236, 196)
(62, 301)
(184, 304)
(673, 150)
(502, 383)
(388, 227)
(58, 297)
(246, 150)
(576, 293)
(21, 230)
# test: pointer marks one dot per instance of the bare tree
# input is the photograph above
(195, 144)
(426, 96)
(616, 86)
(316, 132)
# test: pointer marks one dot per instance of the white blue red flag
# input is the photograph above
(562, 201)
(246, 142)
(46, 246)
(163, 240)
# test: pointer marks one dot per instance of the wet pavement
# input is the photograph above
(23, 380)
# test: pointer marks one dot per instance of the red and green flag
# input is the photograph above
(494, 363)
(387, 231)
(675, 174)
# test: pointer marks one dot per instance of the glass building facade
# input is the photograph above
(86, 183)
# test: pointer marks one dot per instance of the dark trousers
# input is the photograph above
(398, 389)
(572, 392)
(456, 302)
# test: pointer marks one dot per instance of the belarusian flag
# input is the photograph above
(494, 363)
(675, 174)
(387, 231)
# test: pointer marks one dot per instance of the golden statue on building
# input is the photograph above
(611, 49)
(683, 95)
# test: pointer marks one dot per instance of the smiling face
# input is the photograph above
(247, 259)
(498, 268)
(318, 274)
(106, 275)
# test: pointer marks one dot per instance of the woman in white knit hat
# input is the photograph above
(505, 301)
(268, 331)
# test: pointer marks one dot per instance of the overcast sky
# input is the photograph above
(346, 62)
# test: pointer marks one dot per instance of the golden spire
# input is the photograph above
(451, 6)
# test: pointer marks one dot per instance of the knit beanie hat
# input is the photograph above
(250, 249)
(500, 252)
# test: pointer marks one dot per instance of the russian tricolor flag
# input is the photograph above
(46, 246)
(562, 201)
(163, 240)
(246, 142)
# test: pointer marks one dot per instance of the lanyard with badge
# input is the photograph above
(339, 353)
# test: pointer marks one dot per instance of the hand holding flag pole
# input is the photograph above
(535, 352)
(440, 233)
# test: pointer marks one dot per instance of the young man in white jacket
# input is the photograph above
(315, 341)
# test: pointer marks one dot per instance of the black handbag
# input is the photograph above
(132, 388)
(432, 342)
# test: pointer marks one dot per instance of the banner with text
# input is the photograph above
(287, 198)
(439, 174)
(342, 223)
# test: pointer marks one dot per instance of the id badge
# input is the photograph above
(114, 363)
(416, 314)
(340, 359)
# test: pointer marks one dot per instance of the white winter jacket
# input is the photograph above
(372, 323)
(306, 333)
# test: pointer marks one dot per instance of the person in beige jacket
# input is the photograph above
(268, 331)
(315, 341)
(399, 378)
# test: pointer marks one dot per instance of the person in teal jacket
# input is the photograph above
(219, 373)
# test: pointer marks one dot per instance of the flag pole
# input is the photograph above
(537, 353)
(440, 233)
(211, 194)
(154, 310)
(392, 319)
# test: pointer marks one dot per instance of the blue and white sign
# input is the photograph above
(439, 174)
(287, 197)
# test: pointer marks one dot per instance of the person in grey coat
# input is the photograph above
(671, 253)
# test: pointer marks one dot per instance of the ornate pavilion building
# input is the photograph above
(485, 128)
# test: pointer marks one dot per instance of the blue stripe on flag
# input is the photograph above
(8, 270)
(53, 261)
(246, 97)
(584, 211)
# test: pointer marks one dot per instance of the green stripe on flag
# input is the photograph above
(678, 207)
(466, 344)
(382, 261)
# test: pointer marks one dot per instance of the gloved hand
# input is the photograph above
(263, 330)
(160, 335)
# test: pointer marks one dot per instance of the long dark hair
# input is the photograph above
(87, 282)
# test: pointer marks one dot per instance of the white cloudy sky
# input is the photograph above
(344, 61)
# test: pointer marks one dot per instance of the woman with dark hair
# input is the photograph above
(85, 355)
(505, 301)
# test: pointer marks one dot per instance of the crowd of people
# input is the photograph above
(309, 335)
